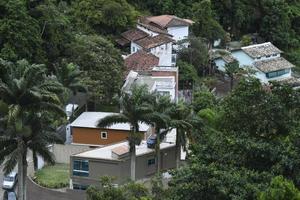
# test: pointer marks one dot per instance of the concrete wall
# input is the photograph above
(169, 73)
(121, 169)
(263, 78)
(220, 63)
(164, 52)
(243, 58)
(134, 47)
(62, 153)
(179, 32)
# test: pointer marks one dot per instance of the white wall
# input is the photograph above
(164, 52)
(179, 32)
(263, 78)
(164, 86)
(134, 47)
(220, 63)
(151, 33)
(243, 58)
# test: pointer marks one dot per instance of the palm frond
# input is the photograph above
(112, 119)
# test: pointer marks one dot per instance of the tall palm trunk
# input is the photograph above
(177, 151)
(132, 162)
(157, 150)
(22, 171)
(132, 153)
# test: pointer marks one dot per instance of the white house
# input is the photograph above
(160, 46)
(263, 58)
(158, 35)
(163, 84)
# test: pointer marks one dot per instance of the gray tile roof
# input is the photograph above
(260, 50)
(271, 65)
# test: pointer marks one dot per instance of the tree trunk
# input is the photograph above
(24, 177)
(157, 150)
(22, 172)
(132, 161)
(177, 151)
(231, 83)
(20, 178)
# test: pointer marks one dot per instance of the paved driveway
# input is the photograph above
(35, 192)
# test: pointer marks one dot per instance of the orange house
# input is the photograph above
(84, 130)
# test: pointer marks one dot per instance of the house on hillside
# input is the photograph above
(264, 59)
(159, 35)
(162, 80)
(84, 130)
(87, 167)
(160, 46)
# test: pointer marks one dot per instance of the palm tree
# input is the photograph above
(134, 110)
(184, 120)
(24, 89)
(231, 69)
(68, 74)
(161, 108)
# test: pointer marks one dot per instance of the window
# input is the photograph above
(274, 55)
(79, 187)
(133, 49)
(173, 58)
(258, 58)
(151, 161)
(277, 73)
(104, 135)
(268, 56)
(81, 168)
(164, 93)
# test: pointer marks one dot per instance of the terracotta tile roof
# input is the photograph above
(153, 28)
(121, 150)
(293, 81)
(140, 61)
(134, 34)
(151, 42)
(271, 65)
(260, 50)
(122, 41)
(165, 21)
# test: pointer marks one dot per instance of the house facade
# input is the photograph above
(158, 35)
(84, 130)
(86, 168)
(264, 59)
(162, 80)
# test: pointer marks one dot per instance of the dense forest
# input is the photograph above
(246, 145)
(80, 31)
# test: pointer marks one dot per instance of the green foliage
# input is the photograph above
(19, 32)
(205, 25)
(203, 99)
(56, 176)
(196, 54)
(246, 40)
(280, 189)
(69, 74)
(248, 139)
(187, 72)
(253, 109)
(104, 16)
(102, 66)
(107, 191)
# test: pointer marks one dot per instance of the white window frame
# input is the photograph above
(101, 134)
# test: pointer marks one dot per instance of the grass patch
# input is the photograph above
(56, 176)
